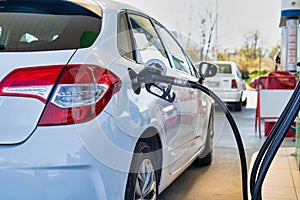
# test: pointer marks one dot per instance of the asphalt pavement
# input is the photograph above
(222, 179)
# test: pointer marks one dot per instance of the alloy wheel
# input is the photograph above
(145, 186)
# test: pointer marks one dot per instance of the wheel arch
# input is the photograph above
(152, 137)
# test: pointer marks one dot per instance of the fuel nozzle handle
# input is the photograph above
(153, 74)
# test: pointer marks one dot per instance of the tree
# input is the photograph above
(207, 27)
(252, 52)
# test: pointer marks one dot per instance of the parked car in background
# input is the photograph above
(73, 123)
(229, 84)
(275, 80)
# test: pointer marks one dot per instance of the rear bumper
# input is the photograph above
(230, 96)
(56, 164)
(61, 183)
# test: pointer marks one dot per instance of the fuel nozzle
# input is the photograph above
(153, 75)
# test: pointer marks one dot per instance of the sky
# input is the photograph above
(235, 18)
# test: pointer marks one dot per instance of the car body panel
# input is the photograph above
(15, 110)
(132, 112)
(65, 163)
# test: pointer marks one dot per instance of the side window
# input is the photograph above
(178, 57)
(147, 42)
(124, 40)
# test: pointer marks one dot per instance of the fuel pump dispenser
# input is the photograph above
(152, 76)
(289, 23)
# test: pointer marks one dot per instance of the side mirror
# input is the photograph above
(207, 69)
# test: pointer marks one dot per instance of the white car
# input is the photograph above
(73, 123)
(229, 84)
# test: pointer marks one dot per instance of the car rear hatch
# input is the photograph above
(220, 82)
(37, 40)
(224, 81)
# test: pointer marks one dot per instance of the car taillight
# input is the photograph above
(80, 95)
(34, 82)
(233, 83)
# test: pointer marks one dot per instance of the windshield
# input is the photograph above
(46, 25)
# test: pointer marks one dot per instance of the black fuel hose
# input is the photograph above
(270, 146)
(270, 139)
(269, 150)
(235, 130)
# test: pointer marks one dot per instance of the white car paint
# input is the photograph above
(221, 84)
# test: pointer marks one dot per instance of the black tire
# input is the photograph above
(143, 158)
(260, 86)
(244, 103)
(205, 158)
(238, 106)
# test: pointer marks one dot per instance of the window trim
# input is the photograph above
(124, 12)
(190, 63)
(154, 24)
(134, 45)
(154, 28)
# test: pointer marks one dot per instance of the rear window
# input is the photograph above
(35, 25)
(224, 68)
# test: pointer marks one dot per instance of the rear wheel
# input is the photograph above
(142, 180)
(238, 106)
(205, 158)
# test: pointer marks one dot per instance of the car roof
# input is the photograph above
(90, 5)
(280, 72)
(108, 5)
(98, 6)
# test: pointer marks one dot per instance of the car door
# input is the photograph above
(177, 117)
(193, 106)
